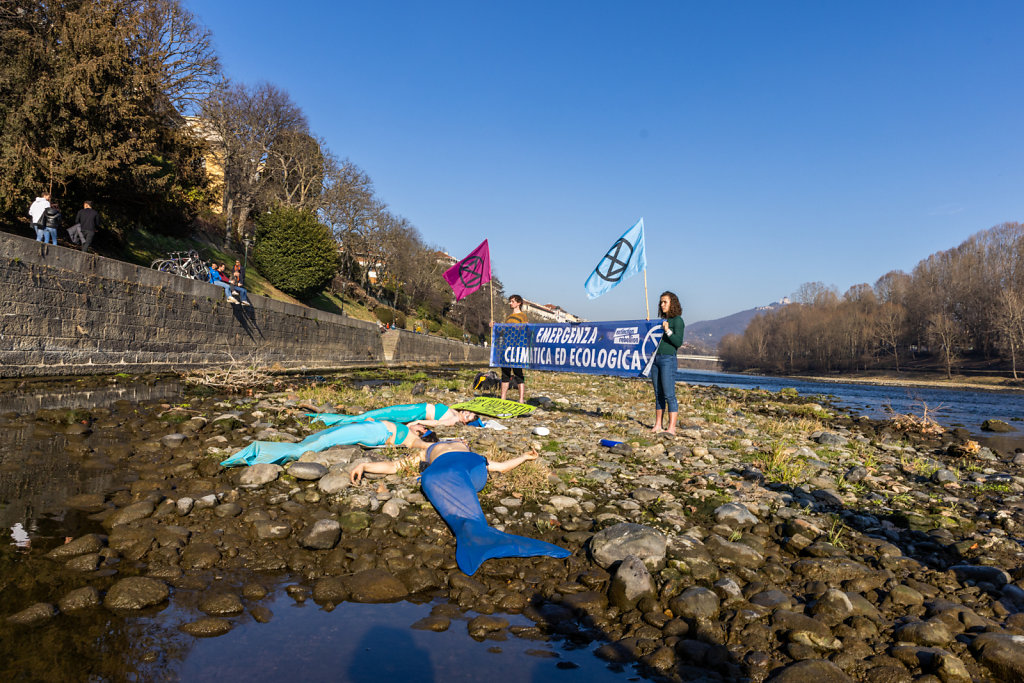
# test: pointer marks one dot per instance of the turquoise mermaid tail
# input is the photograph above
(361, 433)
(400, 413)
(451, 483)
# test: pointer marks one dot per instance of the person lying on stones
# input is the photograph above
(370, 433)
(426, 414)
(425, 457)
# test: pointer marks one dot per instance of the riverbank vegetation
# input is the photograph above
(958, 310)
(124, 103)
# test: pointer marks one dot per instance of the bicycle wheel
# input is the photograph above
(155, 265)
(166, 267)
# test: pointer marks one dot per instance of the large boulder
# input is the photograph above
(631, 583)
(613, 544)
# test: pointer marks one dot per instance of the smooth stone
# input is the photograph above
(136, 592)
(330, 590)
(334, 482)
(173, 440)
(811, 671)
(695, 603)
(375, 585)
(1002, 653)
(267, 530)
(221, 604)
(90, 543)
(613, 544)
(735, 515)
(208, 627)
(307, 471)
(631, 583)
(128, 514)
(259, 474)
(481, 626)
(86, 597)
(33, 614)
(432, 623)
(323, 535)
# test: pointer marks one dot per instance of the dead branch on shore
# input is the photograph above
(923, 424)
(238, 375)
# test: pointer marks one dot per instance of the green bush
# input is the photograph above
(385, 315)
(451, 330)
(295, 251)
(400, 319)
(433, 326)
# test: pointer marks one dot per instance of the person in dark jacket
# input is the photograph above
(86, 222)
(51, 222)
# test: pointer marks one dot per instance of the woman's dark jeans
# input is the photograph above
(663, 375)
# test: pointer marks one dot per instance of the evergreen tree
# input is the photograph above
(295, 251)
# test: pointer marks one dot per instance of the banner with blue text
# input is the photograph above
(619, 347)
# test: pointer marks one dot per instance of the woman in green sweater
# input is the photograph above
(663, 372)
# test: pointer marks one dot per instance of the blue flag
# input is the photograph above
(625, 258)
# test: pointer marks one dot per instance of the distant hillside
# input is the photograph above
(706, 334)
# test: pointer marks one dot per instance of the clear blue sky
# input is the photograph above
(766, 144)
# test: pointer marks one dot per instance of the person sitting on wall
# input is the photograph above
(215, 280)
(236, 289)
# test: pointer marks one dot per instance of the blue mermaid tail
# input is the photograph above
(451, 483)
(361, 433)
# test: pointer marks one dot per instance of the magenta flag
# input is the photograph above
(470, 274)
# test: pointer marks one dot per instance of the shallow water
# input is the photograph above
(42, 465)
(966, 408)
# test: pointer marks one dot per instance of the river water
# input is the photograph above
(966, 408)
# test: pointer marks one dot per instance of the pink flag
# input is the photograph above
(470, 274)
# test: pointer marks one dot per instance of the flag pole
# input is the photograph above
(490, 298)
(647, 301)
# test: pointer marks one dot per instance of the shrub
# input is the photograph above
(295, 251)
(385, 315)
(433, 326)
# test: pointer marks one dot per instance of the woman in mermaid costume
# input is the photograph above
(427, 414)
(370, 433)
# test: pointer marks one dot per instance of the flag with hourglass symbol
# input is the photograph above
(471, 273)
(624, 259)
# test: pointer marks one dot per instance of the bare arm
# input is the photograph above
(381, 467)
(511, 464)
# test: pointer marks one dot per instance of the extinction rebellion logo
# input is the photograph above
(471, 272)
(616, 261)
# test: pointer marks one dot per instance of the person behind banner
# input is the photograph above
(663, 372)
(518, 317)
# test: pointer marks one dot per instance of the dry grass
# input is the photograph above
(528, 480)
(236, 376)
(919, 424)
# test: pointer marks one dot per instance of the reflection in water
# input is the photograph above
(72, 398)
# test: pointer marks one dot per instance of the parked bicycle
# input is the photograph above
(183, 263)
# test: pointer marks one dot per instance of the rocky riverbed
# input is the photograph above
(773, 538)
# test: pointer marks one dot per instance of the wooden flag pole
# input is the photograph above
(647, 302)
(490, 297)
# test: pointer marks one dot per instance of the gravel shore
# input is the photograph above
(772, 539)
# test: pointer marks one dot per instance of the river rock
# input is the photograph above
(259, 474)
(323, 535)
(613, 544)
(173, 440)
(334, 481)
(267, 530)
(32, 615)
(207, 627)
(735, 515)
(354, 521)
(220, 604)
(86, 597)
(330, 590)
(1002, 653)
(375, 585)
(307, 471)
(136, 592)
(975, 572)
(90, 543)
(811, 671)
(128, 514)
(695, 603)
(631, 583)
(479, 627)
(997, 426)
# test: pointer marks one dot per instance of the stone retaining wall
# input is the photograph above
(63, 312)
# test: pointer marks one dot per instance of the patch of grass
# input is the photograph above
(835, 533)
(780, 464)
(552, 446)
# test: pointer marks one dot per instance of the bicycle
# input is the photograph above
(184, 264)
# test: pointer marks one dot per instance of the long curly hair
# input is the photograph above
(674, 308)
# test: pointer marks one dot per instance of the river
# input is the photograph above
(966, 408)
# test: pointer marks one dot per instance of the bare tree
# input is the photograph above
(890, 323)
(944, 332)
(178, 50)
(1010, 324)
(297, 171)
(248, 124)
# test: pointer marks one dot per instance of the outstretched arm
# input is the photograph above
(381, 467)
(511, 464)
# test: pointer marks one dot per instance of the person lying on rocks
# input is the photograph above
(452, 477)
(425, 457)
(426, 414)
(371, 433)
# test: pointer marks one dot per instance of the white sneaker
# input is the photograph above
(246, 303)
(232, 300)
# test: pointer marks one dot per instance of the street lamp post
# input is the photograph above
(245, 254)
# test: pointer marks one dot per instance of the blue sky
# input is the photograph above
(765, 144)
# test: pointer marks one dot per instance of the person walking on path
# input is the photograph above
(517, 317)
(86, 222)
(52, 222)
(35, 215)
(663, 371)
